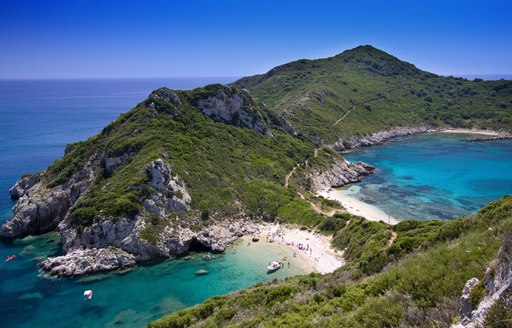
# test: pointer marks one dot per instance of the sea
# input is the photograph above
(434, 176)
(427, 177)
(37, 119)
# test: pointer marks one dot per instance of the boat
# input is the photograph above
(274, 266)
(201, 272)
(87, 295)
(10, 258)
(255, 237)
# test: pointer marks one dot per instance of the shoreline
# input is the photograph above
(317, 255)
(357, 207)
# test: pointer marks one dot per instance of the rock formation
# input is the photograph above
(497, 284)
(377, 138)
(341, 173)
(229, 105)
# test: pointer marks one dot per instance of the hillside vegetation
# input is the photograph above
(424, 272)
(365, 90)
(226, 167)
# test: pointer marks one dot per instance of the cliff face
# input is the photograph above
(489, 303)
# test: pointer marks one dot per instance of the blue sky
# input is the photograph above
(158, 38)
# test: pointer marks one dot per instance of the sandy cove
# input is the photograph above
(357, 207)
(317, 255)
(469, 131)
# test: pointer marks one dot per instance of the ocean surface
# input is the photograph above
(434, 175)
(37, 120)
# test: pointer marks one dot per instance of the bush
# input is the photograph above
(83, 216)
(477, 294)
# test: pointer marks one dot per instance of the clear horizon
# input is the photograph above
(129, 39)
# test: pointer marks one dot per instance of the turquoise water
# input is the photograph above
(130, 298)
(434, 176)
(37, 120)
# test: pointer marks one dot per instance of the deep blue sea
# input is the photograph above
(37, 120)
(434, 175)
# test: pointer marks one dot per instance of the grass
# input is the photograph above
(380, 92)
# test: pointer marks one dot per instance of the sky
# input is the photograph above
(168, 38)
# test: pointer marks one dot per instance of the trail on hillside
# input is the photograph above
(364, 103)
(391, 240)
(301, 196)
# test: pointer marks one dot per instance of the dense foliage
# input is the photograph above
(421, 289)
(227, 168)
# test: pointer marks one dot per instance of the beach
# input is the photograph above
(469, 131)
(357, 207)
(310, 251)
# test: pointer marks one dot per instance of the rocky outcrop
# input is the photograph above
(377, 138)
(40, 209)
(22, 185)
(81, 262)
(497, 284)
(341, 173)
(110, 163)
(231, 106)
(166, 95)
(170, 195)
(171, 240)
(501, 136)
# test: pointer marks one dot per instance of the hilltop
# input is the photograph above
(365, 90)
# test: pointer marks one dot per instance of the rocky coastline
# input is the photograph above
(504, 136)
(114, 243)
(377, 138)
(341, 173)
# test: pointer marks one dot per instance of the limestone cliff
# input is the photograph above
(493, 295)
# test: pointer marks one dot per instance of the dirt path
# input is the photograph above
(391, 240)
(289, 175)
(364, 103)
(301, 196)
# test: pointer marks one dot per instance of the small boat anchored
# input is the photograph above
(274, 266)
(255, 237)
(87, 295)
(10, 258)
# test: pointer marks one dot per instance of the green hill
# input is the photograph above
(365, 90)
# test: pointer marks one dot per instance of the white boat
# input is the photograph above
(274, 266)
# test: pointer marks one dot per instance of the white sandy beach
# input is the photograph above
(357, 207)
(317, 255)
(469, 131)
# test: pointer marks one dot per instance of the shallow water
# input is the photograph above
(434, 176)
(129, 298)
